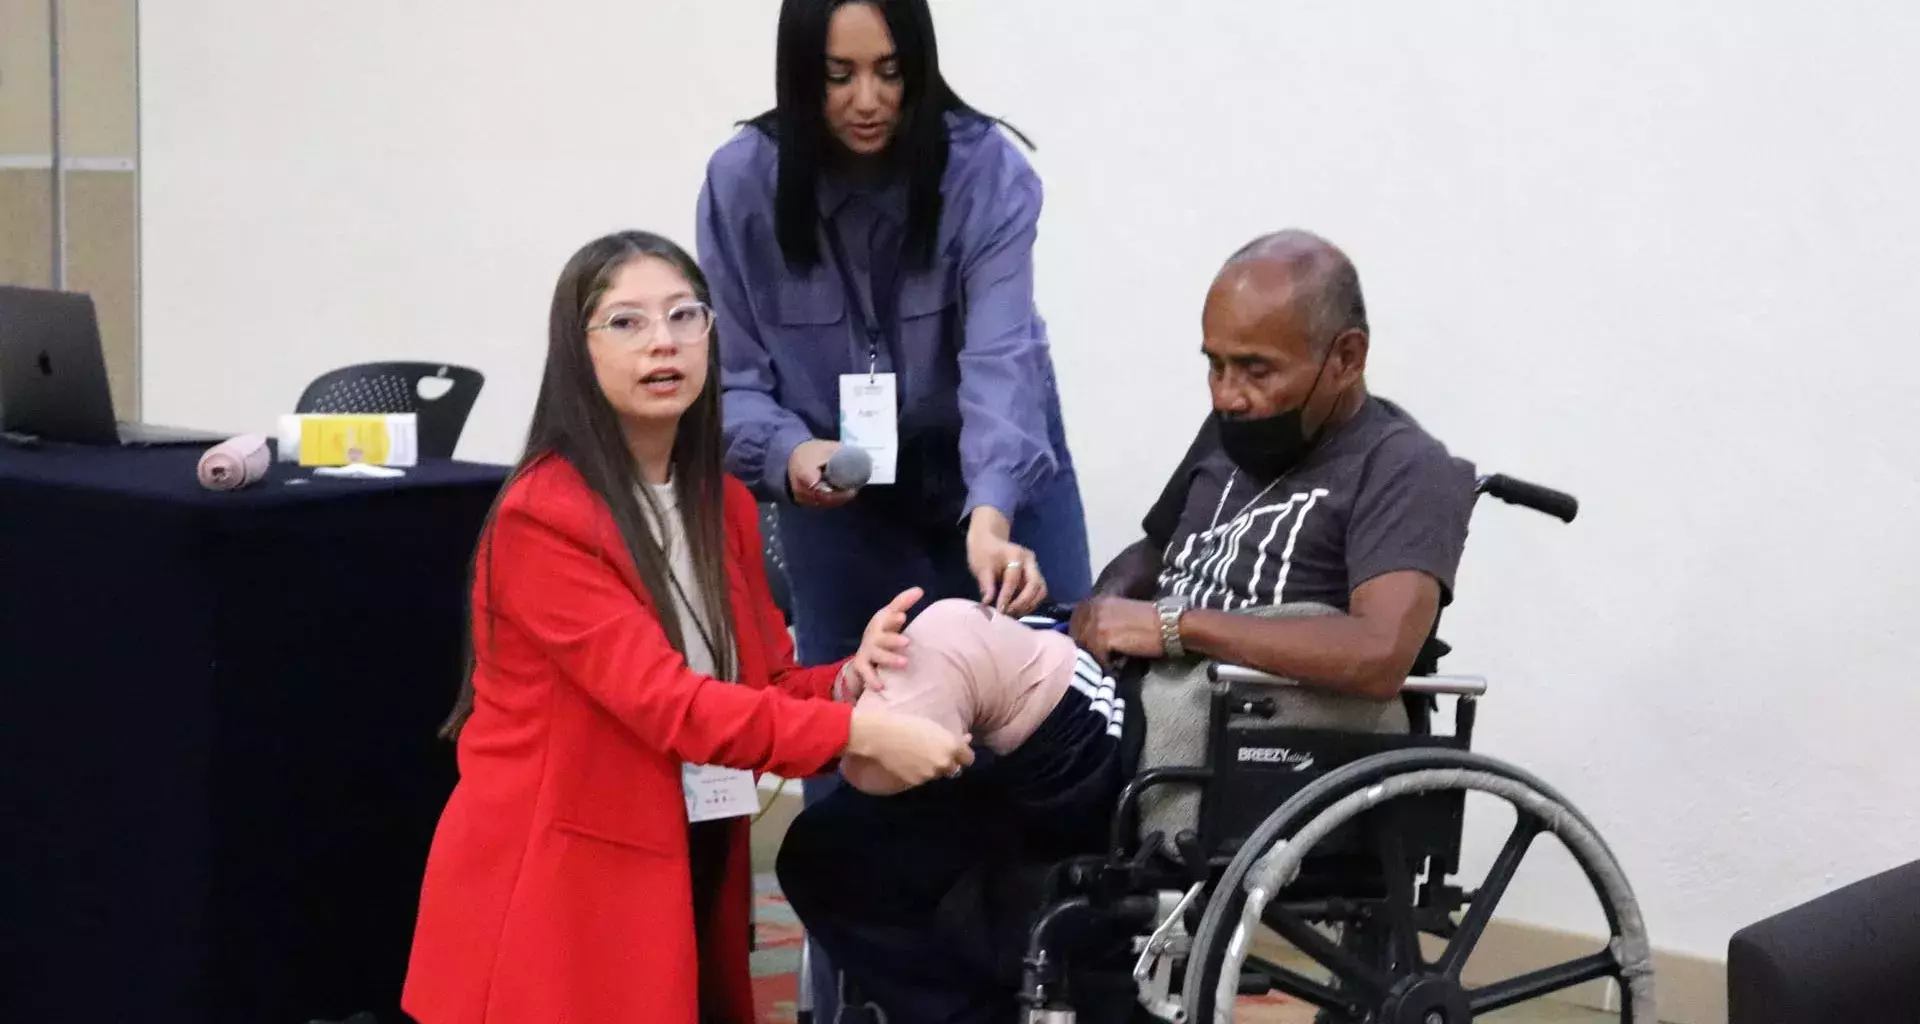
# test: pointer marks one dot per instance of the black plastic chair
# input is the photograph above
(396, 388)
(776, 559)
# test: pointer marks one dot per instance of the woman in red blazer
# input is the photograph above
(622, 629)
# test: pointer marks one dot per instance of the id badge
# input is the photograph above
(714, 793)
(869, 419)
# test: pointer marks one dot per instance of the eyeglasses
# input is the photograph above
(687, 324)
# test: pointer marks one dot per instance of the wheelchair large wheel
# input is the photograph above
(1400, 985)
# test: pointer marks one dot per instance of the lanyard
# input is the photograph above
(657, 514)
(873, 321)
(699, 623)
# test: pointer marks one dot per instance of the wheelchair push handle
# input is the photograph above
(1514, 491)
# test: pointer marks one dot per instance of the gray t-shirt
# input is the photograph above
(1378, 495)
(688, 602)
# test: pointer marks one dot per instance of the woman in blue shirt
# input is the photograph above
(874, 230)
(870, 244)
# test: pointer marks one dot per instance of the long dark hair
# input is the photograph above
(798, 123)
(573, 420)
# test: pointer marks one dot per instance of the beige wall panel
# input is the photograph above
(102, 261)
(99, 96)
(97, 90)
(98, 114)
(25, 121)
(26, 243)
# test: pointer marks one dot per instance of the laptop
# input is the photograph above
(53, 375)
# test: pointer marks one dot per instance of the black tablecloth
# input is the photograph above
(218, 773)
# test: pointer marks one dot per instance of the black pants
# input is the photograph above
(707, 848)
(914, 896)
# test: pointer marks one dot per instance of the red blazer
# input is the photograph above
(557, 889)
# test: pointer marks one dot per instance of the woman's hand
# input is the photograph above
(804, 467)
(1008, 574)
(888, 752)
(880, 647)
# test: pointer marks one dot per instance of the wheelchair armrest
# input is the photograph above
(1456, 686)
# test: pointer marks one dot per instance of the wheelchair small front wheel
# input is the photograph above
(1399, 984)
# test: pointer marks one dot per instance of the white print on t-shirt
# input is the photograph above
(1198, 571)
(1101, 700)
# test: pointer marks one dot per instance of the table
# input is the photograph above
(218, 769)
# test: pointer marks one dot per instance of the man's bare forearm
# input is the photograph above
(1133, 573)
(1367, 652)
(1337, 652)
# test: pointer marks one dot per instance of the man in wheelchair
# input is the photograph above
(1301, 492)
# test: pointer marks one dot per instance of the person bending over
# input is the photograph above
(1300, 488)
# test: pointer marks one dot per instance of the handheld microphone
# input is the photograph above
(847, 469)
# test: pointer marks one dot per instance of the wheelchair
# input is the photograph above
(1301, 831)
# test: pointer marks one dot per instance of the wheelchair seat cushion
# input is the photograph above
(1176, 698)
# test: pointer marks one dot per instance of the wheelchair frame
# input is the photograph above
(1385, 866)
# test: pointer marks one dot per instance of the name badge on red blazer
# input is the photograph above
(713, 793)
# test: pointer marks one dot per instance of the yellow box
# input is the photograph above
(339, 440)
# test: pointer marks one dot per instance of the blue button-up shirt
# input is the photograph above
(965, 340)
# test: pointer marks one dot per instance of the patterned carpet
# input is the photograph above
(776, 953)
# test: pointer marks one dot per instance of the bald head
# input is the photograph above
(1285, 328)
(1307, 275)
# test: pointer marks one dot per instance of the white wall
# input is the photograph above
(1651, 251)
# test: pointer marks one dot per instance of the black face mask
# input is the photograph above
(1266, 447)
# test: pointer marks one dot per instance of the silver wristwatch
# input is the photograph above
(1171, 609)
